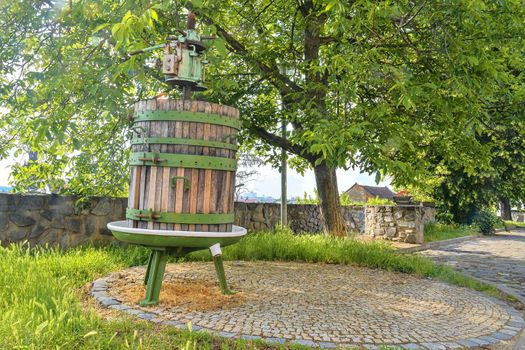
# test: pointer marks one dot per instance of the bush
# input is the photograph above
(379, 201)
(344, 199)
(486, 222)
(444, 217)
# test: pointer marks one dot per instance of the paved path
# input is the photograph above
(325, 305)
(499, 260)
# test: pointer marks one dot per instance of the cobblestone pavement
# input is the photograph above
(332, 306)
(499, 259)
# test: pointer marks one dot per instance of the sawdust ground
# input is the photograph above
(191, 295)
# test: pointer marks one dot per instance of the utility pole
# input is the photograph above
(284, 165)
(284, 179)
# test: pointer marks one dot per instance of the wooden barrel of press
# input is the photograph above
(182, 165)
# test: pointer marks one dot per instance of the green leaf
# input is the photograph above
(378, 177)
(221, 47)
(100, 27)
(196, 3)
(331, 4)
(154, 14)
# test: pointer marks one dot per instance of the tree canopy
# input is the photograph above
(460, 194)
(405, 88)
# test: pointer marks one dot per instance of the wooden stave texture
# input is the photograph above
(216, 185)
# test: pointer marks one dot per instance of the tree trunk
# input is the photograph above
(326, 180)
(506, 213)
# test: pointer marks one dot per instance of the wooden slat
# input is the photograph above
(143, 192)
(215, 174)
(169, 191)
(223, 153)
(234, 113)
(157, 205)
(156, 179)
(178, 191)
(223, 186)
(184, 149)
(151, 192)
(194, 189)
(219, 187)
(136, 196)
(165, 193)
(179, 196)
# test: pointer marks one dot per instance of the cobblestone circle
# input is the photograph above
(332, 306)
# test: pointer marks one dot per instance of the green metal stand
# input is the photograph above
(219, 268)
(157, 265)
(146, 276)
(154, 276)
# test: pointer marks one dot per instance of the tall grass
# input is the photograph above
(438, 231)
(39, 307)
(513, 224)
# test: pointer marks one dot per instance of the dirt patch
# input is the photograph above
(190, 294)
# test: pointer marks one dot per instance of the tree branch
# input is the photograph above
(278, 141)
(280, 81)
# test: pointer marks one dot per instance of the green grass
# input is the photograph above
(507, 224)
(514, 223)
(40, 294)
(439, 232)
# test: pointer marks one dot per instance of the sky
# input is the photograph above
(5, 169)
(267, 182)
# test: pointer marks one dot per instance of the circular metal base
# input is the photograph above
(193, 240)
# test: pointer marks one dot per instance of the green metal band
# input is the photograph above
(178, 218)
(185, 116)
(183, 161)
(179, 141)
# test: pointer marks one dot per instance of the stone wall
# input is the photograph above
(302, 218)
(429, 212)
(518, 215)
(59, 220)
(396, 223)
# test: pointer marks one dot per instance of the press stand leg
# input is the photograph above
(148, 269)
(155, 274)
(219, 268)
